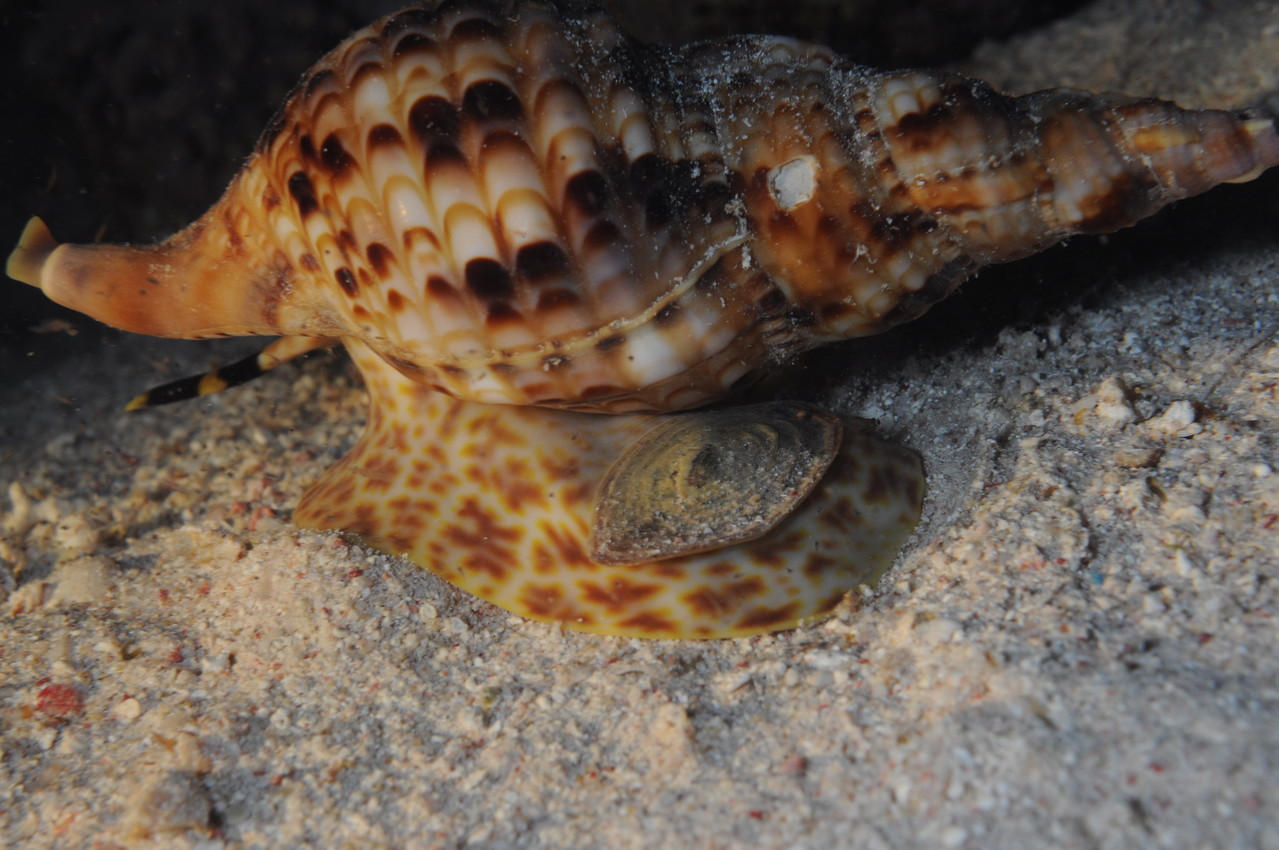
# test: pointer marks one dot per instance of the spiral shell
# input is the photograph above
(515, 203)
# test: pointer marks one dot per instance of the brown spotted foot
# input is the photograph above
(501, 500)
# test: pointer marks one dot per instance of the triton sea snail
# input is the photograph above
(517, 218)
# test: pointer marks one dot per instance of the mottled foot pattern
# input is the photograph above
(500, 500)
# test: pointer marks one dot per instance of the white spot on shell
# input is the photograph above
(793, 183)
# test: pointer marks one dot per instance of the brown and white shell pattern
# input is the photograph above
(521, 205)
(514, 202)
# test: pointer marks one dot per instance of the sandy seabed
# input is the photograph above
(1076, 650)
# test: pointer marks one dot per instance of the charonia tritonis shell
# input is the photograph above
(516, 218)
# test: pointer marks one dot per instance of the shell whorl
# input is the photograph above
(514, 202)
(510, 208)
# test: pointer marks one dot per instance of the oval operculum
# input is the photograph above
(710, 478)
